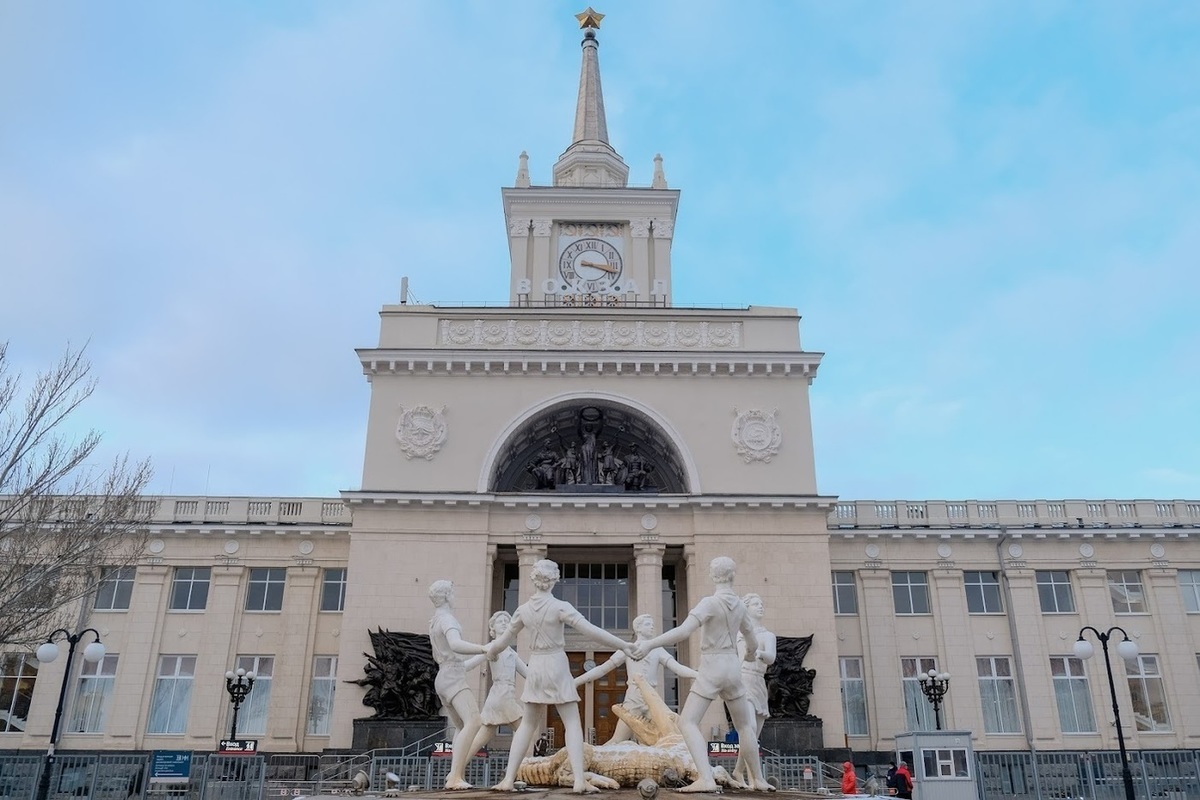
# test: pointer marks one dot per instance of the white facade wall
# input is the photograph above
(785, 554)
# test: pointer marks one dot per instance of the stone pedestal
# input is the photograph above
(373, 734)
(792, 737)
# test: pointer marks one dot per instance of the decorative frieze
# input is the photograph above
(600, 334)
(542, 228)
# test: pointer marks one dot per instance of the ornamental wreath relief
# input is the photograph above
(421, 431)
(756, 435)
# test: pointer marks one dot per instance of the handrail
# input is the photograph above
(326, 771)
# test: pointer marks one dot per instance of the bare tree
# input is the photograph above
(63, 520)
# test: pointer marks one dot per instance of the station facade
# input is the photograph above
(592, 421)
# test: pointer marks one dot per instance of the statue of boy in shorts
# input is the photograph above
(719, 618)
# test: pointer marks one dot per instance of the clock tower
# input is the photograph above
(593, 422)
(590, 240)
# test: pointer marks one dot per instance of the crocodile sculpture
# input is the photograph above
(659, 754)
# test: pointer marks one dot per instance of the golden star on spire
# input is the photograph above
(589, 18)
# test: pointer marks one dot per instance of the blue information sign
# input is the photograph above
(170, 765)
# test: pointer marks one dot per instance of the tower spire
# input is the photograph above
(590, 160)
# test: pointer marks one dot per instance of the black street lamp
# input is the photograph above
(238, 684)
(1127, 649)
(46, 653)
(935, 685)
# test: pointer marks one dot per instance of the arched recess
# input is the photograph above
(557, 422)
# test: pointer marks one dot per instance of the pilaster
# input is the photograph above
(286, 721)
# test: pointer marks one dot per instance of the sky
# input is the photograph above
(986, 213)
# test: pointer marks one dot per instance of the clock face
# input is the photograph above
(590, 266)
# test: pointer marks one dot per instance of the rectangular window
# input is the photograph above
(1054, 591)
(1072, 695)
(320, 698)
(945, 763)
(983, 592)
(998, 695)
(1146, 692)
(18, 673)
(910, 592)
(854, 696)
(599, 591)
(918, 713)
(512, 587)
(845, 596)
(1125, 589)
(333, 590)
(252, 718)
(89, 712)
(1189, 584)
(265, 590)
(172, 698)
(189, 588)
(670, 612)
(115, 588)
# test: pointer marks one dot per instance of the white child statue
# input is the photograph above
(647, 668)
(445, 639)
(754, 671)
(501, 706)
(719, 617)
(548, 680)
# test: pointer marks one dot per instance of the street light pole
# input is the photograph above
(46, 653)
(238, 684)
(935, 685)
(1127, 649)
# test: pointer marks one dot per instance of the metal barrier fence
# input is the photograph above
(1049, 775)
(794, 772)
(101, 777)
(19, 776)
(1091, 775)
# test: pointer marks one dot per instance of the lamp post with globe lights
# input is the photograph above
(238, 684)
(935, 685)
(46, 653)
(1126, 649)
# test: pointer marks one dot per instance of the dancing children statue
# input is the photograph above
(445, 639)
(719, 617)
(501, 706)
(754, 671)
(548, 680)
(647, 668)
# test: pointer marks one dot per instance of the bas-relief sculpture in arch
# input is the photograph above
(562, 420)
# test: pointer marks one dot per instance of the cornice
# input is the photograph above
(1020, 533)
(465, 363)
(226, 529)
(590, 195)
(551, 501)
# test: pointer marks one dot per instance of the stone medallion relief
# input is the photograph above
(421, 431)
(756, 435)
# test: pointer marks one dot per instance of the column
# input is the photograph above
(541, 258)
(695, 581)
(648, 560)
(518, 245)
(664, 231)
(528, 555)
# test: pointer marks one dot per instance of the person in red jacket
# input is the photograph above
(849, 779)
(904, 780)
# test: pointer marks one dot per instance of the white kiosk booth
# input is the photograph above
(942, 764)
